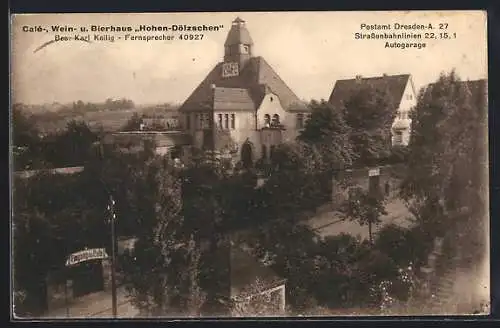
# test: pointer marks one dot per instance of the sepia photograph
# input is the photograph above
(249, 165)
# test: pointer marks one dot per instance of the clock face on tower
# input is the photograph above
(230, 69)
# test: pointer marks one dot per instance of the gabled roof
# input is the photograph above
(257, 77)
(344, 89)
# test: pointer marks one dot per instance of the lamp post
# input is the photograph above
(112, 218)
(111, 208)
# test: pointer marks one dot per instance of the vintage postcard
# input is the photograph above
(249, 164)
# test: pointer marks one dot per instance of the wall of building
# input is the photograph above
(408, 102)
(271, 105)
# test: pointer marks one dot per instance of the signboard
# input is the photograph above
(374, 172)
(86, 255)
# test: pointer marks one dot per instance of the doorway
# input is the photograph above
(87, 278)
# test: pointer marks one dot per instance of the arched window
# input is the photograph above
(267, 120)
(276, 120)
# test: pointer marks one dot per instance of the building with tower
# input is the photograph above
(242, 109)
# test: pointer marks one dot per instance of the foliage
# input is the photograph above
(25, 137)
(399, 154)
(24, 130)
(164, 278)
(67, 148)
(184, 269)
(257, 304)
(301, 169)
(447, 162)
(46, 229)
(80, 107)
(364, 207)
(369, 113)
(445, 130)
(328, 133)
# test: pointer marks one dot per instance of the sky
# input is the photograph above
(309, 50)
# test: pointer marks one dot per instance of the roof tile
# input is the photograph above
(257, 77)
(344, 89)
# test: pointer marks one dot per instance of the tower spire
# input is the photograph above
(238, 45)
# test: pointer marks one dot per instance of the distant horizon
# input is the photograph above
(172, 103)
(310, 51)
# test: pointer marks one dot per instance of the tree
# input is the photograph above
(164, 277)
(447, 162)
(365, 208)
(301, 168)
(24, 130)
(53, 216)
(327, 131)
(25, 139)
(369, 113)
(74, 144)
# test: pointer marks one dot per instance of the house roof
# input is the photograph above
(257, 77)
(231, 98)
(344, 89)
(245, 270)
(238, 34)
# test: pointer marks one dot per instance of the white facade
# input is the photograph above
(401, 127)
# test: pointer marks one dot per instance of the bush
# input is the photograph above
(399, 154)
(419, 244)
(392, 240)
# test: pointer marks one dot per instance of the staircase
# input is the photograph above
(453, 285)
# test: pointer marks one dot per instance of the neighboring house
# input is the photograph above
(242, 106)
(401, 91)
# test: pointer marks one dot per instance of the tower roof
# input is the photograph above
(242, 92)
(238, 34)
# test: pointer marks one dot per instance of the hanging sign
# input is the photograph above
(86, 255)
(374, 172)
